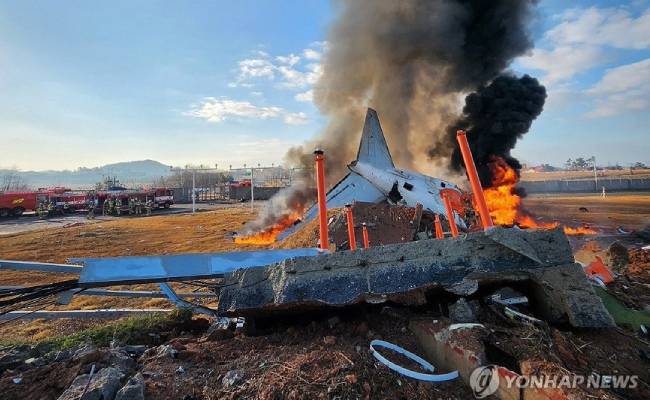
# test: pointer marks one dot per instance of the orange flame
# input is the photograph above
(505, 204)
(269, 235)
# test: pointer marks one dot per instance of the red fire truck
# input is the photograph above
(16, 203)
(64, 200)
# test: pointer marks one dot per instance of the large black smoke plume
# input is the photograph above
(494, 117)
(412, 61)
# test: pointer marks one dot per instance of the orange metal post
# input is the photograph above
(450, 215)
(439, 234)
(322, 200)
(366, 241)
(483, 211)
(352, 240)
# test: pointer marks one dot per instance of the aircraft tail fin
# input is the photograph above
(373, 149)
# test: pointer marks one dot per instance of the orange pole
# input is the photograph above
(351, 237)
(450, 215)
(483, 211)
(366, 242)
(322, 200)
(439, 234)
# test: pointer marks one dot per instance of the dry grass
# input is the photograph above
(631, 211)
(169, 234)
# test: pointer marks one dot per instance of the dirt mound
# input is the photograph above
(639, 264)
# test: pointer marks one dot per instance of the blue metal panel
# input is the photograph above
(180, 266)
(36, 266)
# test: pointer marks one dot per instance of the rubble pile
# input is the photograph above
(326, 356)
(386, 224)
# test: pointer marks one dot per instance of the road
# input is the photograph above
(30, 222)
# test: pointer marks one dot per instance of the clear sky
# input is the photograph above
(86, 83)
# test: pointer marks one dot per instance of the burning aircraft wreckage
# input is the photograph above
(474, 257)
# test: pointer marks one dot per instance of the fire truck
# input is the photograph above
(64, 200)
(161, 197)
(16, 203)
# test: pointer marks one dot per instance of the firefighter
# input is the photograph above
(91, 210)
(50, 208)
(138, 207)
(106, 209)
(118, 207)
(149, 206)
(40, 210)
(131, 205)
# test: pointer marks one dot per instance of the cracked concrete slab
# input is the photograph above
(404, 272)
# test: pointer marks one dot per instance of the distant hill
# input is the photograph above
(130, 173)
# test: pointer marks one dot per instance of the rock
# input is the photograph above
(465, 287)
(43, 348)
(329, 340)
(35, 362)
(103, 386)
(180, 369)
(151, 374)
(121, 360)
(162, 351)
(332, 322)
(232, 378)
(223, 323)
(133, 390)
(62, 355)
(617, 257)
(15, 356)
(86, 354)
(507, 296)
(137, 350)
(462, 311)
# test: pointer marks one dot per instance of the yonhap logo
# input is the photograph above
(484, 381)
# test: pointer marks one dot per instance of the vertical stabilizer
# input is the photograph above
(373, 149)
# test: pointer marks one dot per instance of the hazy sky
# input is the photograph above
(85, 83)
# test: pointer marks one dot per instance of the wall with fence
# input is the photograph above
(223, 193)
(587, 186)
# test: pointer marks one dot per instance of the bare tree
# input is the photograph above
(10, 180)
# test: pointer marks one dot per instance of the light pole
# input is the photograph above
(593, 160)
(193, 191)
(252, 190)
